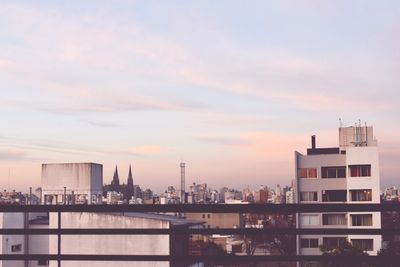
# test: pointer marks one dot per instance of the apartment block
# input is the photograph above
(348, 173)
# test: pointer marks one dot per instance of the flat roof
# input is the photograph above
(174, 220)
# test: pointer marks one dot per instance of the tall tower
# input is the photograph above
(182, 182)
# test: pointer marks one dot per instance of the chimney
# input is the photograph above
(313, 146)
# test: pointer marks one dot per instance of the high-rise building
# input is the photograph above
(348, 173)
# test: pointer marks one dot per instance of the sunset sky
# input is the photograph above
(232, 88)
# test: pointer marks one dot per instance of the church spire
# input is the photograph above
(115, 180)
(129, 185)
(130, 177)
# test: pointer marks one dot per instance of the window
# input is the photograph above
(361, 219)
(309, 220)
(364, 244)
(309, 243)
(308, 196)
(361, 195)
(16, 248)
(208, 216)
(360, 170)
(307, 172)
(43, 262)
(204, 216)
(334, 219)
(334, 195)
(334, 172)
(333, 242)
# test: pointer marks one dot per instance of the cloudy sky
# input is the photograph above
(230, 87)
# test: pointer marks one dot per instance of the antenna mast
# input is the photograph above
(182, 165)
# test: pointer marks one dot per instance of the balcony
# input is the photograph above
(185, 259)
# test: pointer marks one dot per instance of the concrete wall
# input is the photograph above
(366, 155)
(12, 220)
(38, 244)
(107, 244)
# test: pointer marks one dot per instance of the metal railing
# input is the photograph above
(197, 208)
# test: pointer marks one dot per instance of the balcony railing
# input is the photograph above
(201, 208)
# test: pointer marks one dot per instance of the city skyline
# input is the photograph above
(231, 89)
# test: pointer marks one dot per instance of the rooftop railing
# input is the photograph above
(200, 208)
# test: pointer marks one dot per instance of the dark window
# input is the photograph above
(16, 248)
(204, 216)
(43, 262)
(334, 219)
(341, 172)
(364, 244)
(309, 243)
(361, 195)
(361, 220)
(360, 170)
(333, 242)
(208, 216)
(333, 172)
(334, 195)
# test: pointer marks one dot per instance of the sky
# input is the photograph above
(232, 88)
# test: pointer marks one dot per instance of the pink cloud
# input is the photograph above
(147, 149)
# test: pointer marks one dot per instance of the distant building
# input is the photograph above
(217, 220)
(289, 196)
(148, 196)
(261, 196)
(391, 194)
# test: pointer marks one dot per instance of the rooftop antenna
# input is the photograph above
(366, 134)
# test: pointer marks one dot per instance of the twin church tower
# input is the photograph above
(128, 188)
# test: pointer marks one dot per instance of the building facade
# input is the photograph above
(348, 173)
(72, 183)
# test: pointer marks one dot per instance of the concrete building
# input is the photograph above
(345, 174)
(69, 183)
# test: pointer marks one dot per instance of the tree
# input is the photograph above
(391, 249)
(345, 248)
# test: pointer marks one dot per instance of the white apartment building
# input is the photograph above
(348, 173)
